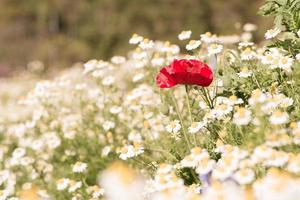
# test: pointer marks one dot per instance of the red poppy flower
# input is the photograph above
(187, 72)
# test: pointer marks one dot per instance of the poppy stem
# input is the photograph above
(188, 103)
(181, 120)
(207, 98)
(190, 111)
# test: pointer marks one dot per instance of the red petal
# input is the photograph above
(189, 72)
(164, 79)
(204, 78)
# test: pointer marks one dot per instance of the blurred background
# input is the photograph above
(61, 32)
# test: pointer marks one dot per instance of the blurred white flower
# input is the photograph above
(173, 127)
(272, 33)
(279, 117)
(193, 44)
(214, 49)
(184, 35)
(79, 167)
(135, 39)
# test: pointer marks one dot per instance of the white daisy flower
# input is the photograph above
(146, 44)
(106, 150)
(127, 152)
(138, 77)
(244, 73)
(208, 37)
(294, 164)
(115, 109)
(62, 184)
(157, 61)
(272, 33)
(79, 167)
(244, 176)
(285, 63)
(196, 126)
(135, 39)
(279, 117)
(19, 152)
(109, 80)
(246, 36)
(73, 186)
(173, 127)
(184, 35)
(221, 173)
(242, 116)
(248, 54)
(118, 60)
(107, 125)
(248, 27)
(193, 44)
(89, 66)
(214, 49)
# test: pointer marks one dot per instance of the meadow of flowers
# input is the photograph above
(216, 119)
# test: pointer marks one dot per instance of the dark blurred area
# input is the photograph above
(61, 32)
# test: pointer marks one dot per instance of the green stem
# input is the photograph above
(181, 121)
(190, 111)
(188, 103)
(256, 81)
(207, 99)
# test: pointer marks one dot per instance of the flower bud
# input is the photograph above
(164, 109)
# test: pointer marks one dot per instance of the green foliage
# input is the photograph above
(286, 14)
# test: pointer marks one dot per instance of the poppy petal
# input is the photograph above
(164, 79)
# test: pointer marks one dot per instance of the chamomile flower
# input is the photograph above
(205, 165)
(193, 44)
(242, 116)
(79, 167)
(285, 63)
(244, 176)
(257, 97)
(107, 125)
(272, 33)
(18, 153)
(196, 126)
(221, 173)
(208, 37)
(138, 77)
(248, 54)
(96, 191)
(135, 39)
(173, 127)
(130, 151)
(245, 73)
(214, 49)
(90, 66)
(248, 27)
(73, 186)
(146, 44)
(4, 194)
(157, 61)
(109, 80)
(294, 164)
(118, 60)
(278, 118)
(106, 150)
(62, 184)
(115, 109)
(184, 35)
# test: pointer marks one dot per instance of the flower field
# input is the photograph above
(212, 117)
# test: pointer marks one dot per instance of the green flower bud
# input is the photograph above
(164, 109)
